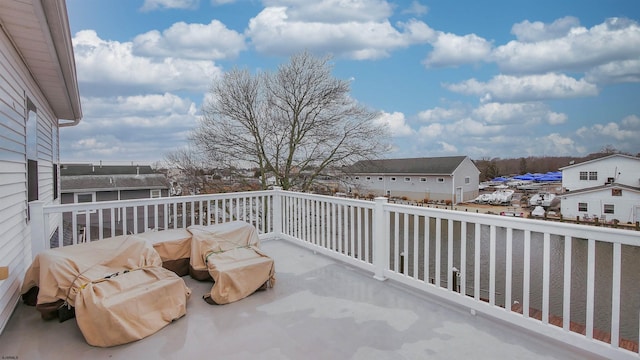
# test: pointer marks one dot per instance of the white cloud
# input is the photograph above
(105, 66)
(430, 131)
(439, 114)
(129, 128)
(615, 72)
(616, 39)
(396, 123)
(211, 41)
(453, 50)
(557, 145)
(364, 36)
(448, 148)
(334, 11)
(507, 88)
(416, 8)
(150, 5)
(529, 113)
(538, 31)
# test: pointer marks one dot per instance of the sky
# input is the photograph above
(485, 79)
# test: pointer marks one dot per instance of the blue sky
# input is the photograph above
(483, 79)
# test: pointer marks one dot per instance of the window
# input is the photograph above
(610, 180)
(582, 207)
(616, 192)
(357, 177)
(583, 175)
(368, 177)
(156, 194)
(84, 198)
(31, 127)
(593, 175)
(608, 209)
(380, 178)
(423, 179)
(407, 179)
(393, 179)
(467, 180)
(440, 180)
(55, 181)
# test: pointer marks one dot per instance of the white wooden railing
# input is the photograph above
(546, 277)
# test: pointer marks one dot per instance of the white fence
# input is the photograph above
(574, 283)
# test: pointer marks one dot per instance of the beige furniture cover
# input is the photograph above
(229, 252)
(119, 278)
(173, 246)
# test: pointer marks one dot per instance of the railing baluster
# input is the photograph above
(566, 297)
(416, 226)
(367, 238)
(438, 250)
(476, 263)
(352, 226)
(526, 277)
(405, 245)
(146, 217)
(449, 255)
(508, 269)
(100, 225)
(615, 295)
(135, 219)
(113, 222)
(591, 276)
(492, 264)
(396, 242)
(546, 259)
(87, 226)
(427, 242)
(463, 258)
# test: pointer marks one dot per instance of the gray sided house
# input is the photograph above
(90, 183)
(450, 178)
(38, 96)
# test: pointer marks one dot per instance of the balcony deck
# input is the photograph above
(319, 309)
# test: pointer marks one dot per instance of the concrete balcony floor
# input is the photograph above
(319, 309)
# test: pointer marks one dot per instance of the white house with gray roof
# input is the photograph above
(453, 178)
(606, 188)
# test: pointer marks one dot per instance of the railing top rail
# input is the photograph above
(54, 208)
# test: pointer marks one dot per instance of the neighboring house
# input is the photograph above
(38, 95)
(90, 183)
(452, 178)
(607, 188)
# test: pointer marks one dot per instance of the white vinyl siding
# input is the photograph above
(15, 235)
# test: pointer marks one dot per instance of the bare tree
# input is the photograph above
(292, 124)
(190, 164)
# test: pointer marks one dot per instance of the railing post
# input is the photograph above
(380, 243)
(37, 223)
(277, 211)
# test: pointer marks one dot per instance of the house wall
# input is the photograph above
(419, 187)
(625, 170)
(412, 186)
(626, 207)
(466, 171)
(16, 86)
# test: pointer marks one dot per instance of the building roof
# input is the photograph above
(600, 159)
(425, 165)
(39, 31)
(89, 183)
(91, 169)
(602, 187)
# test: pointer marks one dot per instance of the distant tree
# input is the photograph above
(609, 149)
(191, 165)
(523, 166)
(299, 117)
